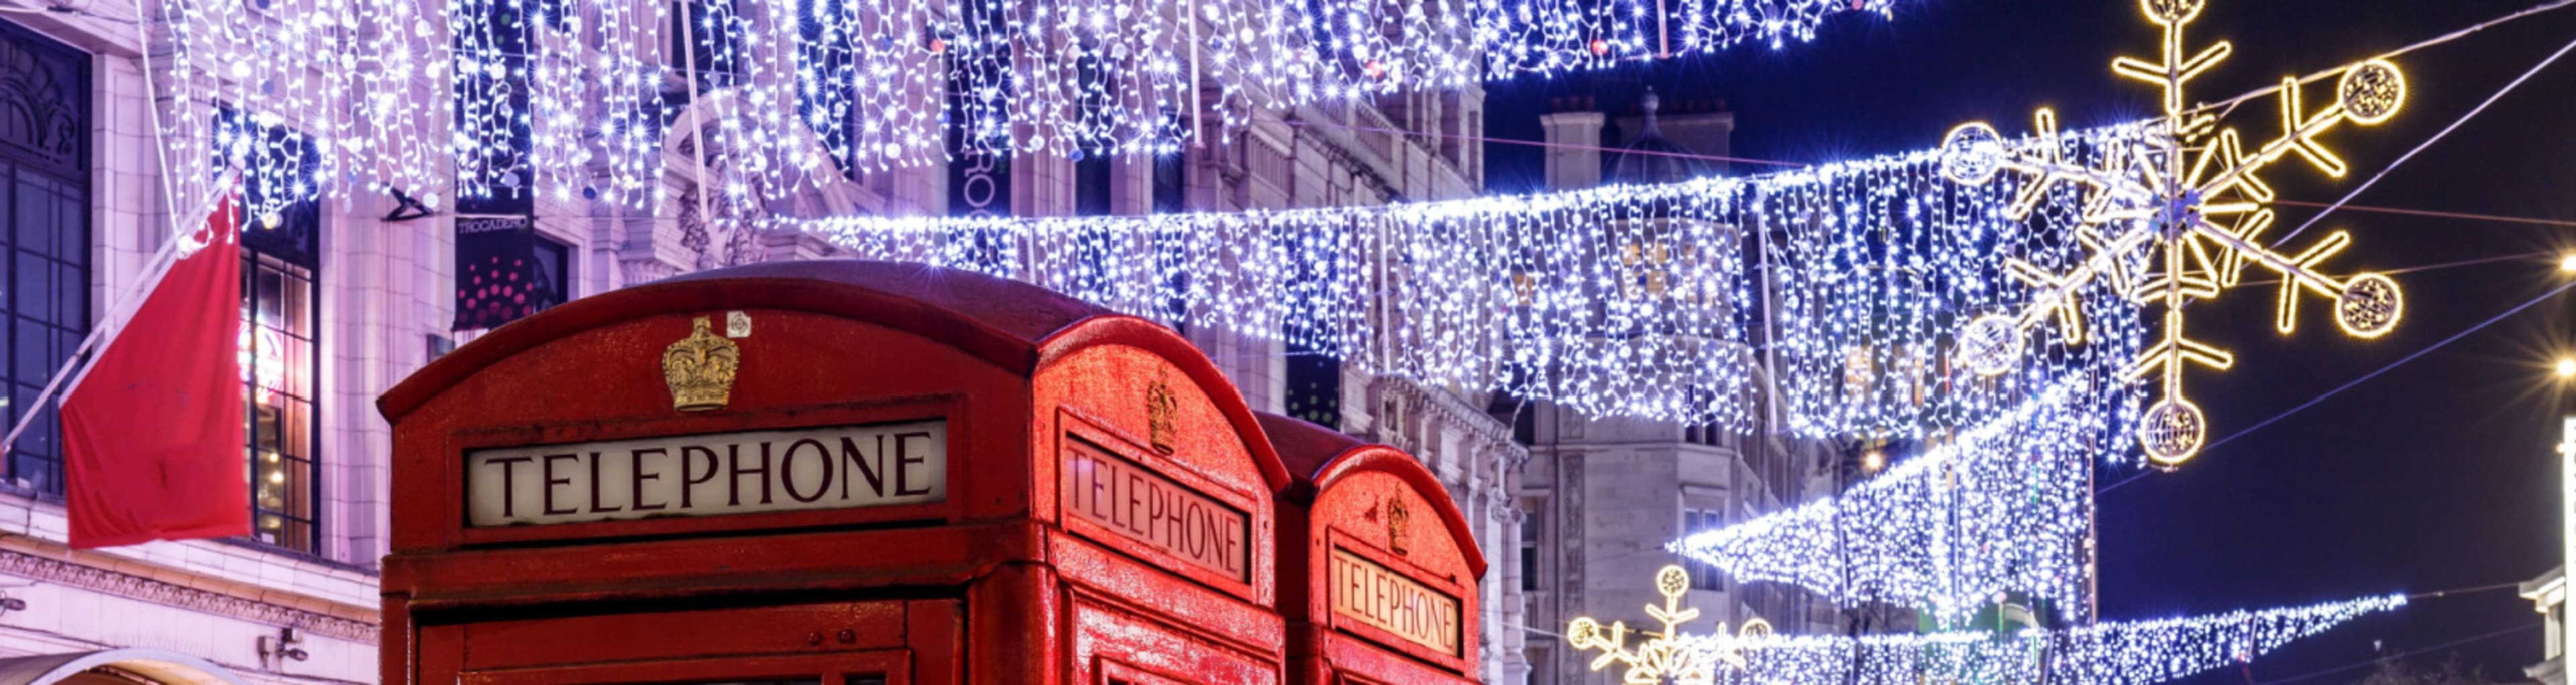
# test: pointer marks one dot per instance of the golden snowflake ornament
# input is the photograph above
(2189, 197)
(1671, 655)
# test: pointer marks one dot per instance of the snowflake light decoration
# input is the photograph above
(2176, 219)
(1670, 656)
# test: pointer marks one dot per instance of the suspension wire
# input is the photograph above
(2438, 594)
(2437, 40)
(2434, 267)
(2437, 214)
(2321, 397)
(2404, 654)
(2428, 142)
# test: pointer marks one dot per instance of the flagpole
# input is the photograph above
(104, 334)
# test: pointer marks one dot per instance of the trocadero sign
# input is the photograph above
(709, 475)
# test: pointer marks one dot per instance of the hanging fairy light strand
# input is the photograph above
(2002, 508)
(1615, 301)
(2105, 653)
(566, 100)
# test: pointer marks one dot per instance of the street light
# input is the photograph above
(2567, 263)
(2566, 368)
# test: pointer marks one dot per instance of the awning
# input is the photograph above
(160, 666)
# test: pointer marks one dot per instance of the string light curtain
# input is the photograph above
(2005, 508)
(2107, 653)
(571, 99)
(1638, 301)
(349, 78)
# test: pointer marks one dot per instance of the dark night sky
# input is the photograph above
(2437, 475)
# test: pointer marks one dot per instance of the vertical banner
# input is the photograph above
(979, 145)
(156, 430)
(498, 275)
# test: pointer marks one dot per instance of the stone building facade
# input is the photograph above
(352, 293)
(2548, 595)
(1604, 495)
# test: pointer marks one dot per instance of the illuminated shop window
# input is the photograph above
(281, 259)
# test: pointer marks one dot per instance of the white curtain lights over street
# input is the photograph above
(1633, 301)
(2005, 508)
(2105, 653)
(572, 99)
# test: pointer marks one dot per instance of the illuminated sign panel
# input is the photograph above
(1380, 598)
(1141, 505)
(708, 475)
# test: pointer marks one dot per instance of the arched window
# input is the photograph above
(44, 225)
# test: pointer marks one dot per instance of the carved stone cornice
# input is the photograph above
(1455, 412)
(111, 582)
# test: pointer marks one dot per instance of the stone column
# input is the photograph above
(1572, 159)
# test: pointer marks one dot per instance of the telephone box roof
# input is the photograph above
(1317, 457)
(1008, 323)
(1003, 321)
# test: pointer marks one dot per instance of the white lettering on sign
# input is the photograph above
(1374, 596)
(1144, 506)
(708, 475)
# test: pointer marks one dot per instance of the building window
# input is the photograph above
(45, 205)
(1703, 575)
(1314, 384)
(554, 269)
(1529, 549)
(281, 262)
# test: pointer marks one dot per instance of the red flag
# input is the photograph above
(155, 432)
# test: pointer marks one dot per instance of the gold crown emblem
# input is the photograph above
(700, 369)
(1160, 404)
(1396, 521)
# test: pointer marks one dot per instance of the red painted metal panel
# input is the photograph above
(1373, 555)
(397, 652)
(1136, 396)
(933, 628)
(853, 560)
(753, 631)
(441, 656)
(1109, 639)
(994, 584)
(1215, 615)
(606, 383)
(1013, 627)
(891, 666)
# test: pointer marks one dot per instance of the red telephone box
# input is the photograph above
(829, 472)
(1378, 570)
